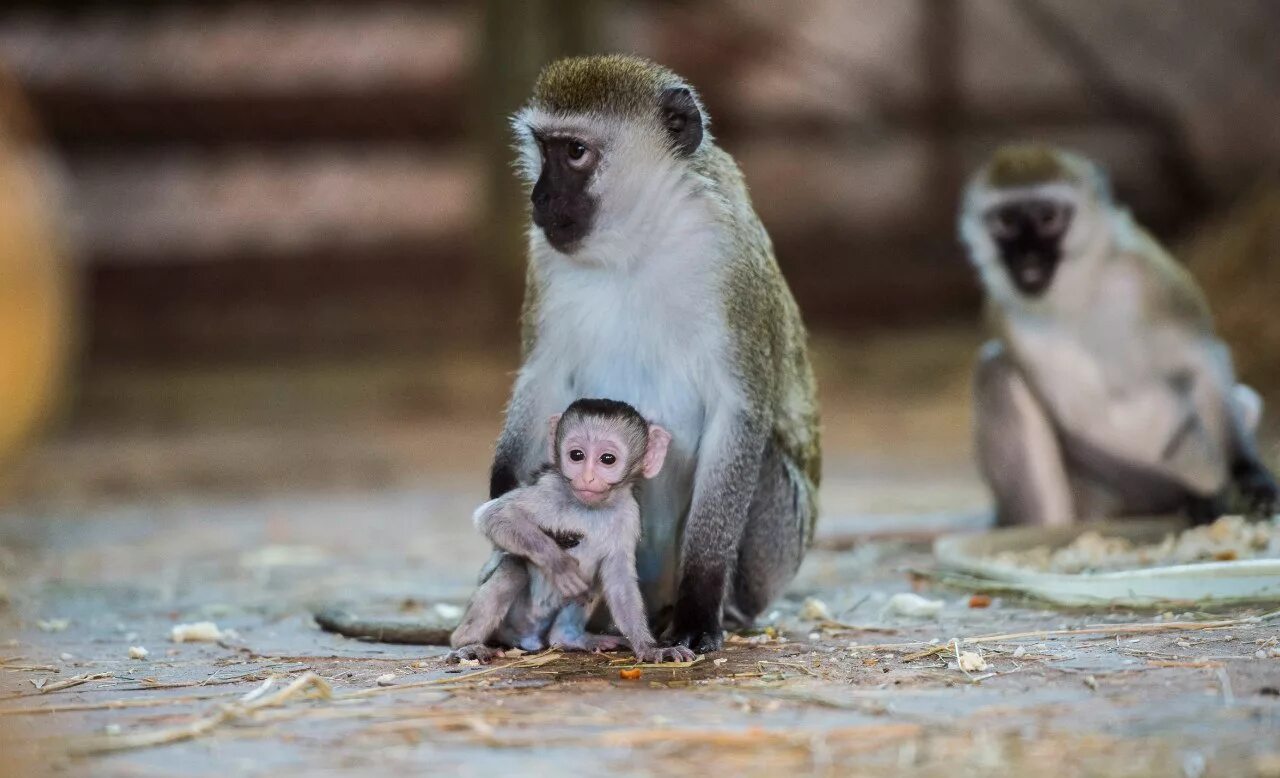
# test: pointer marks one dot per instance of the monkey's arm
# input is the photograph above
(733, 448)
(510, 525)
(1222, 421)
(622, 593)
(519, 424)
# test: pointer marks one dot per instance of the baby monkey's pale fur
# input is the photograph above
(557, 555)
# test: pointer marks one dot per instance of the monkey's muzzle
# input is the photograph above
(1029, 236)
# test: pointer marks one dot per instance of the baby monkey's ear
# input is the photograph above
(552, 424)
(656, 452)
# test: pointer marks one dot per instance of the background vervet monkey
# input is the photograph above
(568, 540)
(652, 281)
(1104, 391)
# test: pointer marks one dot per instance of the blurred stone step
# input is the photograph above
(182, 204)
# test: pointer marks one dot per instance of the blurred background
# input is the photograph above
(253, 247)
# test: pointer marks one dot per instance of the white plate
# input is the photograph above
(1242, 580)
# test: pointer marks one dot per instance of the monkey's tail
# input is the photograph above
(417, 632)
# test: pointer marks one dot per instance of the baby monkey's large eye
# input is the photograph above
(576, 150)
(607, 459)
(577, 455)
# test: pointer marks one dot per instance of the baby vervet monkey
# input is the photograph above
(568, 539)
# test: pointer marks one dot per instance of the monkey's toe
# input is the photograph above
(478, 652)
(700, 642)
(1260, 493)
(669, 654)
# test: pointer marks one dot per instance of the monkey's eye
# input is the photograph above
(1002, 223)
(607, 459)
(1053, 218)
(580, 155)
(577, 455)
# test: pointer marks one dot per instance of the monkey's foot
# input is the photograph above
(1205, 510)
(598, 643)
(477, 651)
(669, 654)
(1259, 492)
(588, 642)
(701, 641)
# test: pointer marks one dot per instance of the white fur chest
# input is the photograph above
(644, 336)
(1101, 377)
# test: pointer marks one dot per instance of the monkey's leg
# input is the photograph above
(487, 609)
(1253, 481)
(726, 481)
(569, 630)
(1018, 452)
(773, 542)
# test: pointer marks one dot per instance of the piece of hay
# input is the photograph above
(814, 609)
(196, 632)
(971, 662)
(306, 685)
(913, 605)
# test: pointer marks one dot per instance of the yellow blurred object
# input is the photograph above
(36, 308)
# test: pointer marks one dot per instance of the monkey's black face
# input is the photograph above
(562, 207)
(1028, 234)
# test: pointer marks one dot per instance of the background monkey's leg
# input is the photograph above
(1018, 451)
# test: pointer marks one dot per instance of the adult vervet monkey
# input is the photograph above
(652, 281)
(1104, 390)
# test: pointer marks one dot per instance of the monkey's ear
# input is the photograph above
(552, 423)
(656, 452)
(681, 117)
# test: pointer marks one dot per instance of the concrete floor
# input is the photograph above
(229, 505)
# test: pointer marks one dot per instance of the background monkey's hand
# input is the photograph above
(668, 654)
(565, 577)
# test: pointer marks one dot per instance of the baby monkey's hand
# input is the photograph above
(566, 578)
(656, 654)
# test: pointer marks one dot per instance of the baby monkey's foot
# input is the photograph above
(656, 654)
(478, 652)
(601, 643)
(588, 642)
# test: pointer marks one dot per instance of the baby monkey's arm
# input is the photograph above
(622, 592)
(511, 524)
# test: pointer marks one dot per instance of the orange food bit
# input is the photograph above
(630, 675)
(980, 601)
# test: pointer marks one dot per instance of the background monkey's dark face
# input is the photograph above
(563, 208)
(1028, 235)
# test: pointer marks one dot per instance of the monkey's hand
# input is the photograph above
(565, 577)
(654, 654)
(1259, 492)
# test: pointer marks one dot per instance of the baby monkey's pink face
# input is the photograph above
(594, 464)
(598, 454)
